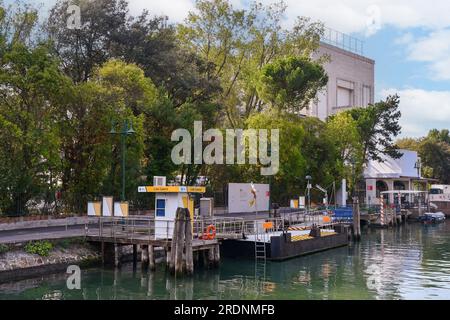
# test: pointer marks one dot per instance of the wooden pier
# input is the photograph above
(112, 234)
(183, 241)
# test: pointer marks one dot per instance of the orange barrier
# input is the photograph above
(268, 225)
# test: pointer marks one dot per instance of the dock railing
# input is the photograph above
(147, 228)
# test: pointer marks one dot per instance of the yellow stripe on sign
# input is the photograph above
(124, 208)
(174, 189)
(97, 208)
(163, 189)
(196, 189)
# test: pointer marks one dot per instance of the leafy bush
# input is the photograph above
(3, 248)
(41, 248)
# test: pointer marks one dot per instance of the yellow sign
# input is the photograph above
(172, 189)
(197, 189)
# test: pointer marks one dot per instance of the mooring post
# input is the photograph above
(134, 256)
(103, 253)
(216, 255)
(144, 256)
(176, 259)
(116, 255)
(151, 284)
(151, 258)
(167, 253)
(205, 257)
(179, 261)
(188, 250)
(211, 256)
(356, 220)
(173, 246)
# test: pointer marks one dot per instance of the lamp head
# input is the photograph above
(130, 129)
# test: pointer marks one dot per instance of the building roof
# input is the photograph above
(404, 167)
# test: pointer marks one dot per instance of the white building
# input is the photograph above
(393, 174)
(351, 76)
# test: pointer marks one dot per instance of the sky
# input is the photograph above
(408, 39)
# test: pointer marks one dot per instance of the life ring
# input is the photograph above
(210, 233)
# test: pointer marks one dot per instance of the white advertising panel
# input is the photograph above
(241, 198)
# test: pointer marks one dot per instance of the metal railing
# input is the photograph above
(343, 41)
(149, 228)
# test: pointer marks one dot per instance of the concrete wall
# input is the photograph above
(344, 69)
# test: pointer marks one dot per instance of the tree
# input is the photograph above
(82, 50)
(32, 88)
(378, 126)
(239, 43)
(342, 129)
(117, 91)
(291, 83)
(108, 31)
(434, 151)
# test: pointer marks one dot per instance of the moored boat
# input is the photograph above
(432, 217)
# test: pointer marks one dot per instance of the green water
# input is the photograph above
(412, 262)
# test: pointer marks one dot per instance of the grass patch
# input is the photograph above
(41, 248)
(4, 248)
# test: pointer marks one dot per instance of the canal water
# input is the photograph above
(412, 262)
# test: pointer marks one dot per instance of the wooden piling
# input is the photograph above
(178, 242)
(168, 255)
(356, 220)
(211, 256)
(188, 243)
(176, 232)
(216, 255)
(144, 256)
(151, 258)
(116, 255)
(134, 256)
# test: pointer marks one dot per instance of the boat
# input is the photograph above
(432, 217)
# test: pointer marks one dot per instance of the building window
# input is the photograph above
(160, 207)
(367, 96)
(345, 94)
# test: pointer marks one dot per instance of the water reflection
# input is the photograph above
(411, 262)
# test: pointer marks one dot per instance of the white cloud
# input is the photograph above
(433, 49)
(343, 15)
(176, 10)
(422, 110)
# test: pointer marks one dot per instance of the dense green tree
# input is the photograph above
(434, 151)
(291, 83)
(239, 43)
(378, 126)
(32, 86)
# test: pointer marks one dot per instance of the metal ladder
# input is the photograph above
(260, 245)
(260, 260)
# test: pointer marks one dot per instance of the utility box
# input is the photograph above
(107, 206)
(121, 209)
(94, 209)
(206, 207)
(294, 204)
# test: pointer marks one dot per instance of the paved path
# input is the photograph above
(24, 235)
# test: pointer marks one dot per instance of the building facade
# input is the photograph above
(393, 175)
(351, 79)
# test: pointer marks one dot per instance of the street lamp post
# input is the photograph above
(418, 166)
(269, 151)
(308, 187)
(127, 129)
